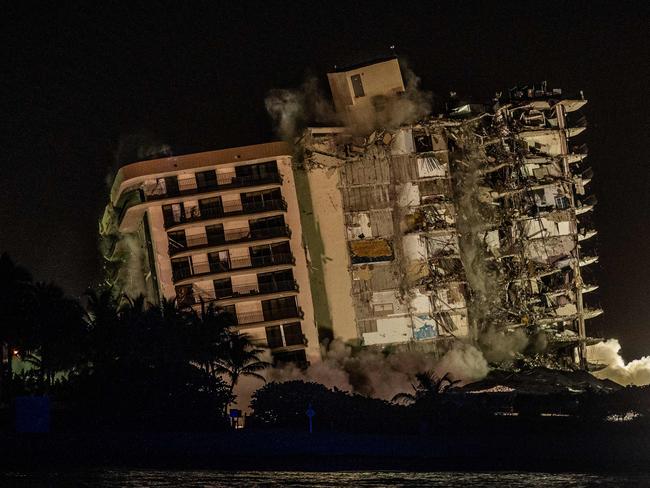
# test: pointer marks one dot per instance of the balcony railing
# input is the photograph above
(230, 236)
(224, 181)
(231, 209)
(233, 264)
(262, 289)
(269, 315)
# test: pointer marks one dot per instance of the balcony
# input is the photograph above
(230, 294)
(232, 209)
(233, 264)
(246, 318)
(231, 236)
(224, 181)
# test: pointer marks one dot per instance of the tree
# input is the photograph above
(15, 291)
(210, 331)
(428, 386)
(240, 357)
(56, 332)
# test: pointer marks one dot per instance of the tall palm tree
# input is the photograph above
(239, 357)
(15, 290)
(56, 332)
(210, 330)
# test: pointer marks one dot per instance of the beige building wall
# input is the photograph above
(378, 79)
(330, 222)
(149, 174)
(300, 270)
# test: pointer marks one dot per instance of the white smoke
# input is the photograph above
(501, 345)
(372, 373)
(636, 372)
(292, 110)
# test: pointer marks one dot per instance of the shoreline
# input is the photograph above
(327, 451)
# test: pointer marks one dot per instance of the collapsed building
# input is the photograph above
(395, 228)
(453, 226)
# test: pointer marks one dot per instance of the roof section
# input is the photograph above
(197, 160)
(350, 67)
(208, 158)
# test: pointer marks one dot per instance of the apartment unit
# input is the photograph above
(218, 227)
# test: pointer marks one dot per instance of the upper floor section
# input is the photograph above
(209, 174)
(365, 85)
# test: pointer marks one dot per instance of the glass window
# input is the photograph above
(274, 336)
(293, 334)
(357, 86)
(206, 179)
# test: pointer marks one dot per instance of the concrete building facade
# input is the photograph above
(218, 227)
(462, 225)
(382, 234)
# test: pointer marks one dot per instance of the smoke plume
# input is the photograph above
(372, 373)
(292, 110)
(636, 372)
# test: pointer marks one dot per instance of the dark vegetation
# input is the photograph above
(124, 365)
(118, 363)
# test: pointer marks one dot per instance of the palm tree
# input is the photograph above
(210, 330)
(15, 290)
(239, 357)
(428, 385)
(56, 332)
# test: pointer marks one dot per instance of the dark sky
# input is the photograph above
(78, 79)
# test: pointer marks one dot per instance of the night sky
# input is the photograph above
(78, 80)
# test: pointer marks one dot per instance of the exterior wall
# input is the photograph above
(248, 307)
(334, 263)
(378, 79)
(384, 78)
(300, 270)
(161, 252)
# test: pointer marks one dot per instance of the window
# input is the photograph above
(279, 308)
(278, 281)
(206, 179)
(219, 261)
(293, 334)
(222, 288)
(171, 185)
(260, 199)
(274, 337)
(262, 171)
(211, 207)
(215, 234)
(181, 268)
(357, 86)
(173, 214)
(177, 240)
(267, 227)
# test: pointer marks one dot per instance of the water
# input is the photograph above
(252, 479)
